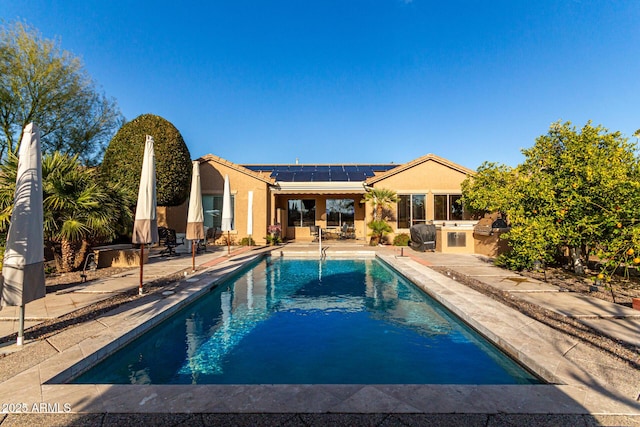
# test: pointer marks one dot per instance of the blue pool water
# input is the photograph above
(289, 321)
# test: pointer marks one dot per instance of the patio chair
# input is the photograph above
(169, 240)
(315, 232)
(346, 232)
(213, 234)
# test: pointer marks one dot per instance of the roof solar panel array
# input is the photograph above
(324, 173)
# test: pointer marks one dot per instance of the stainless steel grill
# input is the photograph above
(488, 226)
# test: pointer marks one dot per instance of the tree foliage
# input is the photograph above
(78, 209)
(488, 190)
(381, 199)
(123, 159)
(577, 190)
(41, 83)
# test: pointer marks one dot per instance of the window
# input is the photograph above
(447, 207)
(340, 211)
(301, 213)
(212, 206)
(411, 210)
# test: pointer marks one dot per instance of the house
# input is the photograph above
(299, 197)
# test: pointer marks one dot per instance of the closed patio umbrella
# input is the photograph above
(23, 265)
(145, 228)
(250, 215)
(227, 215)
(195, 215)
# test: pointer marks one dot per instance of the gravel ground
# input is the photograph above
(618, 290)
(59, 282)
(626, 353)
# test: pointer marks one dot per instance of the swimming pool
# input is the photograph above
(301, 321)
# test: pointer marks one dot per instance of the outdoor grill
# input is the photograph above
(423, 237)
(488, 226)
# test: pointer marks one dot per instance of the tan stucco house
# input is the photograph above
(301, 197)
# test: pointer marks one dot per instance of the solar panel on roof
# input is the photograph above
(357, 176)
(284, 176)
(302, 173)
(339, 176)
(303, 176)
(321, 176)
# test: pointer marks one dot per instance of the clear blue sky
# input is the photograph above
(357, 81)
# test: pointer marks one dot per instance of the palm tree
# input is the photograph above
(378, 230)
(381, 199)
(78, 209)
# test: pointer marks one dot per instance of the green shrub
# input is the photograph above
(401, 240)
(378, 230)
(122, 162)
(273, 239)
(227, 240)
(247, 241)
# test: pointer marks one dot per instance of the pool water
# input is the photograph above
(293, 321)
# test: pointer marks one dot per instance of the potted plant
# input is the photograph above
(273, 234)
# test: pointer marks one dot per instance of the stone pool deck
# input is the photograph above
(585, 386)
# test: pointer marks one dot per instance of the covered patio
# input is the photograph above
(339, 214)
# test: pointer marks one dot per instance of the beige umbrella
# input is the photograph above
(227, 215)
(195, 215)
(250, 216)
(145, 228)
(23, 265)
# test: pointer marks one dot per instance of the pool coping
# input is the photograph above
(573, 390)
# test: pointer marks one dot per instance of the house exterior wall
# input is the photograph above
(429, 177)
(212, 181)
(491, 246)
(174, 217)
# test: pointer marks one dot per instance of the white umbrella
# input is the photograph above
(227, 215)
(145, 228)
(23, 265)
(250, 216)
(195, 216)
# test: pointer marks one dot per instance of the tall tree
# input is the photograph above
(41, 83)
(123, 159)
(577, 178)
(489, 190)
(578, 189)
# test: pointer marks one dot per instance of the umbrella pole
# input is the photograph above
(20, 340)
(193, 255)
(228, 245)
(141, 268)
